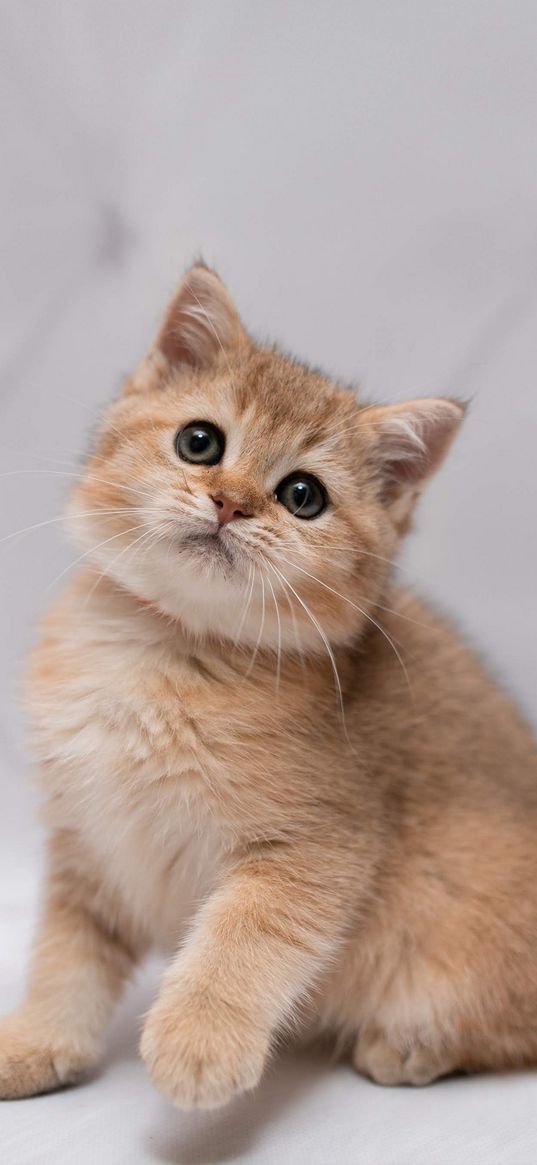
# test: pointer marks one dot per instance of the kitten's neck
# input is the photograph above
(219, 629)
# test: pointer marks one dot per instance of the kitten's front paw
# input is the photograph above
(31, 1061)
(201, 1052)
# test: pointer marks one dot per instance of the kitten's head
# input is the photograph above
(245, 494)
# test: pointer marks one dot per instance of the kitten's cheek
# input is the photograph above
(196, 1056)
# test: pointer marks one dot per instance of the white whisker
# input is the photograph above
(260, 633)
(117, 485)
(278, 659)
(104, 513)
(325, 640)
(298, 640)
(251, 579)
(361, 611)
(91, 551)
(109, 565)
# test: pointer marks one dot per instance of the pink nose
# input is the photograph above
(227, 509)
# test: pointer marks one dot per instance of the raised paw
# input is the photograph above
(383, 1062)
(31, 1061)
(201, 1052)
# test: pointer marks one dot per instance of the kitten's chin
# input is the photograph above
(210, 552)
(218, 591)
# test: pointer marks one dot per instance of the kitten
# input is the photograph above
(259, 755)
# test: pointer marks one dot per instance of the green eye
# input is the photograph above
(200, 443)
(303, 495)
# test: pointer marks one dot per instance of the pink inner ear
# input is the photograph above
(176, 340)
(199, 322)
(407, 472)
(188, 334)
(412, 440)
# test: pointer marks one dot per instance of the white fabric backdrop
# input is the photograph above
(364, 175)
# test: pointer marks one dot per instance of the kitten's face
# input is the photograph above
(244, 494)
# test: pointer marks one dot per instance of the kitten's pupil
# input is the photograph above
(300, 493)
(200, 442)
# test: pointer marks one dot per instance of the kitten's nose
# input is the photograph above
(227, 509)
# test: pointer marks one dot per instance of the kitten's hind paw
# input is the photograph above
(383, 1062)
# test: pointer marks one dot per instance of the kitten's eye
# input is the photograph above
(200, 442)
(303, 495)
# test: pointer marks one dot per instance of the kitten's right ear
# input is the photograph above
(199, 325)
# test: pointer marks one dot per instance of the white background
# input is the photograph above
(364, 176)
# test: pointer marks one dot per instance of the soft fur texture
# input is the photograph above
(260, 755)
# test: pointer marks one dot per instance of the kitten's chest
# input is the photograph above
(131, 740)
(159, 755)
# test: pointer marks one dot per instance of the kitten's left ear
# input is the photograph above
(408, 443)
(199, 324)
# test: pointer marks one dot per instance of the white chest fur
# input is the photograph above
(125, 728)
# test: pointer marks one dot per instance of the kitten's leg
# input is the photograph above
(257, 946)
(78, 969)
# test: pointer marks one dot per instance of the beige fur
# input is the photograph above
(262, 757)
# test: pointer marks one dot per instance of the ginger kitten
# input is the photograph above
(260, 755)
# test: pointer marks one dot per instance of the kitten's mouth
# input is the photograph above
(210, 543)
